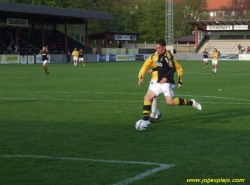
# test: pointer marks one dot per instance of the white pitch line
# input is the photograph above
(116, 101)
(145, 174)
(46, 99)
(124, 182)
(67, 92)
(180, 95)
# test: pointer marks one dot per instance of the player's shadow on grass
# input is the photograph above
(210, 117)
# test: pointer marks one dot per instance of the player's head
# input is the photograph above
(44, 48)
(80, 49)
(160, 46)
(205, 50)
(75, 49)
(215, 50)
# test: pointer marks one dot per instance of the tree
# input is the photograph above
(237, 9)
(185, 10)
(151, 20)
(148, 18)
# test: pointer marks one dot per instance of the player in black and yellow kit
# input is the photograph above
(155, 113)
(45, 54)
(81, 57)
(205, 58)
(166, 69)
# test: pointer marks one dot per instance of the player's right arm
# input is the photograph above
(148, 63)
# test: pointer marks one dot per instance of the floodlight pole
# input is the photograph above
(169, 26)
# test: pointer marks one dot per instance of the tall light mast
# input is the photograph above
(169, 24)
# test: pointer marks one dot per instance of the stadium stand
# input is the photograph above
(229, 46)
(31, 42)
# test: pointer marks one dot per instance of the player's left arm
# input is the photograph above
(179, 71)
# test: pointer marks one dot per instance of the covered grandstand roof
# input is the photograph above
(204, 23)
(54, 14)
(190, 38)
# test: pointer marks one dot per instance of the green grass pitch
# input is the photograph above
(77, 126)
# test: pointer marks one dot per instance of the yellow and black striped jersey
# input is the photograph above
(44, 54)
(150, 62)
(215, 55)
(75, 53)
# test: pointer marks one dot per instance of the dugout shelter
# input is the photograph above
(120, 36)
(23, 15)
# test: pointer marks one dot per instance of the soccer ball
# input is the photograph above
(141, 125)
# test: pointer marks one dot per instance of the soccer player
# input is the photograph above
(81, 57)
(75, 54)
(155, 114)
(45, 54)
(215, 57)
(205, 58)
(166, 69)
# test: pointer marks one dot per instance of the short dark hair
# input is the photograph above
(162, 42)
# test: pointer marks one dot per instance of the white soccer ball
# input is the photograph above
(141, 125)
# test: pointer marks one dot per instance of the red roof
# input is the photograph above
(216, 5)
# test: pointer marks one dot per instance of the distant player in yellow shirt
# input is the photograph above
(150, 62)
(75, 55)
(215, 57)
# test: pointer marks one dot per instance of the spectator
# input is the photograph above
(53, 47)
(127, 51)
(98, 51)
(16, 48)
(30, 52)
(242, 49)
(9, 50)
(248, 49)
(1, 45)
(3, 49)
(23, 52)
(239, 48)
(68, 56)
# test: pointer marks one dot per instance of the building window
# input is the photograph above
(223, 13)
(233, 13)
(212, 14)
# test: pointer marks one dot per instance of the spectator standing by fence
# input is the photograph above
(239, 48)
(68, 56)
(248, 49)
